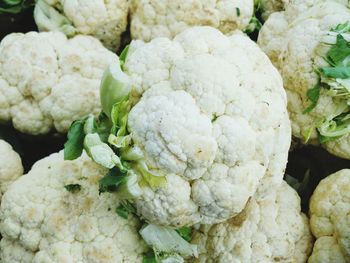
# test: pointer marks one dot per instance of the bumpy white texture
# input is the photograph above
(269, 230)
(41, 221)
(292, 41)
(47, 81)
(167, 18)
(210, 112)
(10, 166)
(105, 20)
(330, 219)
(294, 6)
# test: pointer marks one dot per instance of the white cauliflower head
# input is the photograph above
(311, 51)
(56, 214)
(47, 81)
(293, 6)
(167, 18)
(10, 166)
(208, 118)
(268, 230)
(105, 20)
(330, 219)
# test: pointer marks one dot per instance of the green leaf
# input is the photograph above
(73, 188)
(123, 55)
(90, 125)
(100, 152)
(167, 240)
(338, 72)
(238, 12)
(112, 181)
(103, 126)
(324, 139)
(254, 25)
(119, 142)
(150, 257)
(185, 232)
(15, 6)
(313, 95)
(48, 18)
(73, 148)
(122, 212)
(150, 177)
(119, 116)
(342, 28)
(114, 88)
(339, 51)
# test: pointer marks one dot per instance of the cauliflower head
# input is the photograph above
(56, 214)
(105, 20)
(311, 51)
(330, 219)
(268, 230)
(10, 166)
(47, 81)
(207, 120)
(167, 18)
(294, 7)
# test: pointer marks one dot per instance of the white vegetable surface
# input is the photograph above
(167, 18)
(268, 230)
(330, 219)
(299, 44)
(105, 20)
(10, 166)
(209, 112)
(41, 221)
(47, 81)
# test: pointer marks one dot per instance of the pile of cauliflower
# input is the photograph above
(177, 147)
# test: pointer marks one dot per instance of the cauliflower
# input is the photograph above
(105, 20)
(167, 18)
(294, 6)
(330, 219)
(311, 51)
(270, 6)
(56, 214)
(268, 230)
(47, 81)
(200, 120)
(10, 166)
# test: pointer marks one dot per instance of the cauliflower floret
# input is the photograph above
(209, 112)
(167, 18)
(47, 81)
(10, 166)
(294, 7)
(297, 44)
(105, 20)
(330, 219)
(268, 230)
(41, 221)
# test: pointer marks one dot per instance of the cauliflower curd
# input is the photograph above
(330, 219)
(47, 81)
(167, 18)
(105, 20)
(270, 6)
(10, 166)
(56, 214)
(200, 120)
(269, 230)
(311, 50)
